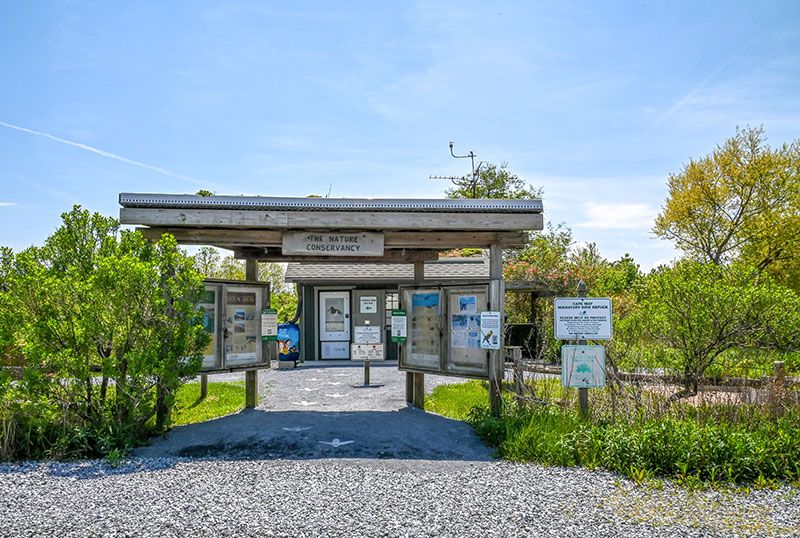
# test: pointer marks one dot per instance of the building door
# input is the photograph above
(368, 317)
(334, 324)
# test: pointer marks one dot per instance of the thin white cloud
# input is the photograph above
(8, 204)
(618, 216)
(110, 155)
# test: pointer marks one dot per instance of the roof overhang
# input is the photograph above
(253, 226)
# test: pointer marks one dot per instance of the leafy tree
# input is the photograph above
(700, 310)
(550, 260)
(211, 264)
(207, 261)
(106, 330)
(618, 277)
(493, 181)
(740, 202)
(231, 269)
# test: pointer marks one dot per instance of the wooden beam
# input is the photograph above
(230, 238)
(210, 236)
(449, 240)
(389, 256)
(355, 220)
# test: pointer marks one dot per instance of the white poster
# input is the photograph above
(490, 330)
(366, 334)
(369, 305)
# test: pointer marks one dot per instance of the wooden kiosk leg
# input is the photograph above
(203, 386)
(496, 303)
(251, 389)
(251, 376)
(419, 391)
(415, 383)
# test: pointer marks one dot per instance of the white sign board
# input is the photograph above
(490, 330)
(583, 366)
(332, 244)
(582, 318)
(369, 305)
(367, 352)
(269, 324)
(399, 325)
(365, 334)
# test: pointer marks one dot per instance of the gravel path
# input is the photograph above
(305, 487)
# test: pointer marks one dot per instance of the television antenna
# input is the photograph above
(464, 181)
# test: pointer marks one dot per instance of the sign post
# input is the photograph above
(367, 346)
(582, 319)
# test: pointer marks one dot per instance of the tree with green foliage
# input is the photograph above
(212, 265)
(493, 181)
(700, 310)
(740, 202)
(106, 329)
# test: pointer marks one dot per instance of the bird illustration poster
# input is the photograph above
(490, 330)
(334, 314)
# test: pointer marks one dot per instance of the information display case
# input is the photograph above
(444, 334)
(232, 316)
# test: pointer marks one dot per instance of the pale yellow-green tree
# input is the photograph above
(742, 201)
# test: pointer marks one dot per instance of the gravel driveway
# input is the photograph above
(344, 460)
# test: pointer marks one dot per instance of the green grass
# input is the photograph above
(703, 448)
(456, 401)
(223, 399)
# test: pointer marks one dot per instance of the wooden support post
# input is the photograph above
(251, 389)
(251, 270)
(496, 303)
(519, 374)
(415, 383)
(366, 373)
(778, 388)
(203, 386)
(419, 391)
(583, 393)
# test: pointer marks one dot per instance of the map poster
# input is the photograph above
(425, 326)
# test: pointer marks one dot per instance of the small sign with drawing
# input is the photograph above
(583, 366)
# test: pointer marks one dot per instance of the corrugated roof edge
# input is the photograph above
(194, 201)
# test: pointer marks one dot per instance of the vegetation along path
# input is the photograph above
(279, 471)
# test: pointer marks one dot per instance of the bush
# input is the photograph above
(675, 447)
(106, 331)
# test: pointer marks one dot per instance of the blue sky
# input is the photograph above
(596, 102)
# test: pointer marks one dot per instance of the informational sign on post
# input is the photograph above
(269, 324)
(490, 330)
(367, 352)
(582, 318)
(366, 334)
(399, 325)
(583, 366)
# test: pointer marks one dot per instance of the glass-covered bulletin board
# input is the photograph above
(464, 353)
(422, 350)
(444, 331)
(232, 315)
(208, 306)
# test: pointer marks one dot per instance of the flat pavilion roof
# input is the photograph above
(253, 226)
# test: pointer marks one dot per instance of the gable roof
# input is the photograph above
(444, 269)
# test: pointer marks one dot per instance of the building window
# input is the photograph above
(392, 303)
